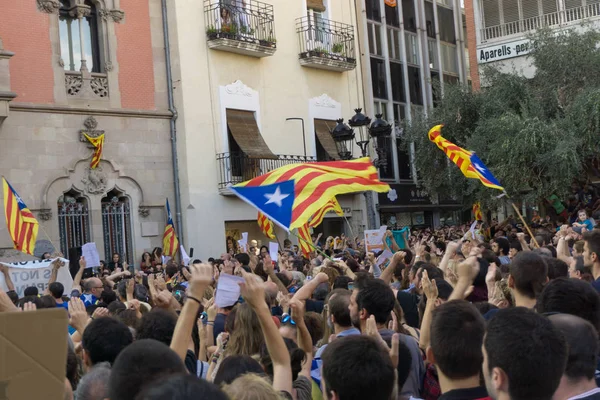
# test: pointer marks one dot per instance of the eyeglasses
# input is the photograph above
(288, 320)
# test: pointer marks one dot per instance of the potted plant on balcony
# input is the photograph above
(318, 52)
(211, 32)
(268, 42)
(337, 48)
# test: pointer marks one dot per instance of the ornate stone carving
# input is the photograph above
(325, 101)
(61, 62)
(108, 66)
(90, 125)
(45, 214)
(73, 84)
(99, 86)
(239, 88)
(117, 15)
(143, 211)
(48, 6)
(95, 181)
(80, 11)
(104, 14)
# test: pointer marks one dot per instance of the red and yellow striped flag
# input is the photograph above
(477, 212)
(305, 242)
(266, 226)
(331, 205)
(457, 155)
(22, 225)
(316, 183)
(98, 143)
(170, 242)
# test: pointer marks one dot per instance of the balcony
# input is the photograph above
(247, 29)
(236, 168)
(326, 44)
(560, 18)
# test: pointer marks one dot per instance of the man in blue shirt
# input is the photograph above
(92, 290)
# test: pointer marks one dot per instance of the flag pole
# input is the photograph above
(49, 239)
(512, 203)
(349, 226)
(313, 246)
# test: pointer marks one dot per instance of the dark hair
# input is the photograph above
(457, 330)
(108, 296)
(182, 387)
(321, 291)
(47, 301)
(338, 308)
(582, 344)
(530, 351)
(484, 306)
(297, 356)
(408, 257)
(556, 268)
(243, 258)
(503, 245)
(284, 279)
(72, 368)
(30, 299)
(56, 289)
(171, 270)
(104, 338)
(341, 282)
(116, 307)
(31, 291)
(235, 366)
(529, 272)
(358, 367)
(552, 250)
(129, 318)
(571, 296)
(377, 298)
(158, 325)
(515, 244)
(593, 241)
(142, 363)
(404, 363)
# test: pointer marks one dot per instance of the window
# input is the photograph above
(378, 78)
(116, 226)
(373, 10)
(72, 45)
(73, 221)
(414, 85)
(408, 13)
(449, 60)
(429, 20)
(374, 32)
(446, 21)
(391, 16)
(397, 78)
(411, 48)
(384, 150)
(435, 88)
(394, 44)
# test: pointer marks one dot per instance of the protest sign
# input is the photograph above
(228, 290)
(90, 253)
(36, 273)
(274, 251)
(374, 239)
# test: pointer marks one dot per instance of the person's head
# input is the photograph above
(56, 289)
(158, 325)
(591, 248)
(582, 215)
(357, 367)
(141, 364)
(557, 268)
(264, 251)
(46, 256)
(235, 366)
(578, 248)
(251, 387)
(93, 286)
(297, 357)
(571, 296)
(457, 330)
(31, 291)
(524, 355)
(339, 311)
(47, 301)
(515, 247)
(116, 258)
(103, 340)
(582, 344)
(242, 258)
(247, 337)
(528, 274)
(314, 324)
(94, 384)
(182, 387)
(374, 298)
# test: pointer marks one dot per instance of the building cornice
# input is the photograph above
(49, 108)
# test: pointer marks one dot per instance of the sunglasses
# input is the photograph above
(288, 320)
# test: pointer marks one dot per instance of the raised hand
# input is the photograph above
(101, 312)
(78, 317)
(201, 276)
(429, 287)
(252, 291)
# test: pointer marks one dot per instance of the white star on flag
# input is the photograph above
(276, 197)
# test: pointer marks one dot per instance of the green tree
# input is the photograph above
(536, 135)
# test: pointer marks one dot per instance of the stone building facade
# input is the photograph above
(86, 66)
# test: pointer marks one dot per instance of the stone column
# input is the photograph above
(5, 93)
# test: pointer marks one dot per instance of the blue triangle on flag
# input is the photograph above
(275, 200)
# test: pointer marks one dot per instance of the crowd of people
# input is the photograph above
(482, 311)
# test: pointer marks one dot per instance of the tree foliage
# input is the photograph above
(536, 135)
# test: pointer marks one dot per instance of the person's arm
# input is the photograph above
(562, 250)
(490, 281)
(450, 252)
(524, 245)
(254, 294)
(306, 291)
(347, 270)
(395, 246)
(79, 275)
(9, 283)
(78, 316)
(431, 292)
(387, 274)
(201, 278)
(466, 271)
(211, 315)
(202, 331)
(6, 305)
(268, 267)
(304, 339)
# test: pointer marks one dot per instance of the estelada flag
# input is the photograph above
(305, 241)
(170, 242)
(477, 212)
(292, 194)
(22, 225)
(331, 205)
(98, 143)
(266, 226)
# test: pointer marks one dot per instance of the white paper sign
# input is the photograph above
(243, 242)
(184, 256)
(90, 253)
(274, 250)
(386, 255)
(36, 273)
(228, 290)
(374, 239)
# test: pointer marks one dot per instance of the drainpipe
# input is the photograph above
(172, 125)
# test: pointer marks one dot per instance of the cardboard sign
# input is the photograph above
(374, 239)
(33, 346)
(36, 273)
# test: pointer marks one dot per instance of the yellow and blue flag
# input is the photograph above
(484, 174)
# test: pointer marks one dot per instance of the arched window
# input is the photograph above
(73, 221)
(79, 36)
(116, 225)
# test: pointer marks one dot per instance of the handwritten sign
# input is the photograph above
(35, 273)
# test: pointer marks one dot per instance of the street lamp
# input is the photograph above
(361, 121)
(343, 136)
(380, 128)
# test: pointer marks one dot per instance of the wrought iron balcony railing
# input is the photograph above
(326, 43)
(245, 21)
(236, 168)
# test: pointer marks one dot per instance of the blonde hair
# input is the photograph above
(247, 336)
(251, 387)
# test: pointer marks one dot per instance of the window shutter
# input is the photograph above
(573, 3)
(316, 5)
(511, 10)
(549, 6)
(491, 12)
(530, 8)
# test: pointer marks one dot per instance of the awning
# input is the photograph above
(316, 5)
(323, 129)
(247, 135)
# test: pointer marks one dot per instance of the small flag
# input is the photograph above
(305, 240)
(331, 205)
(98, 143)
(170, 242)
(477, 212)
(22, 225)
(391, 3)
(266, 226)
